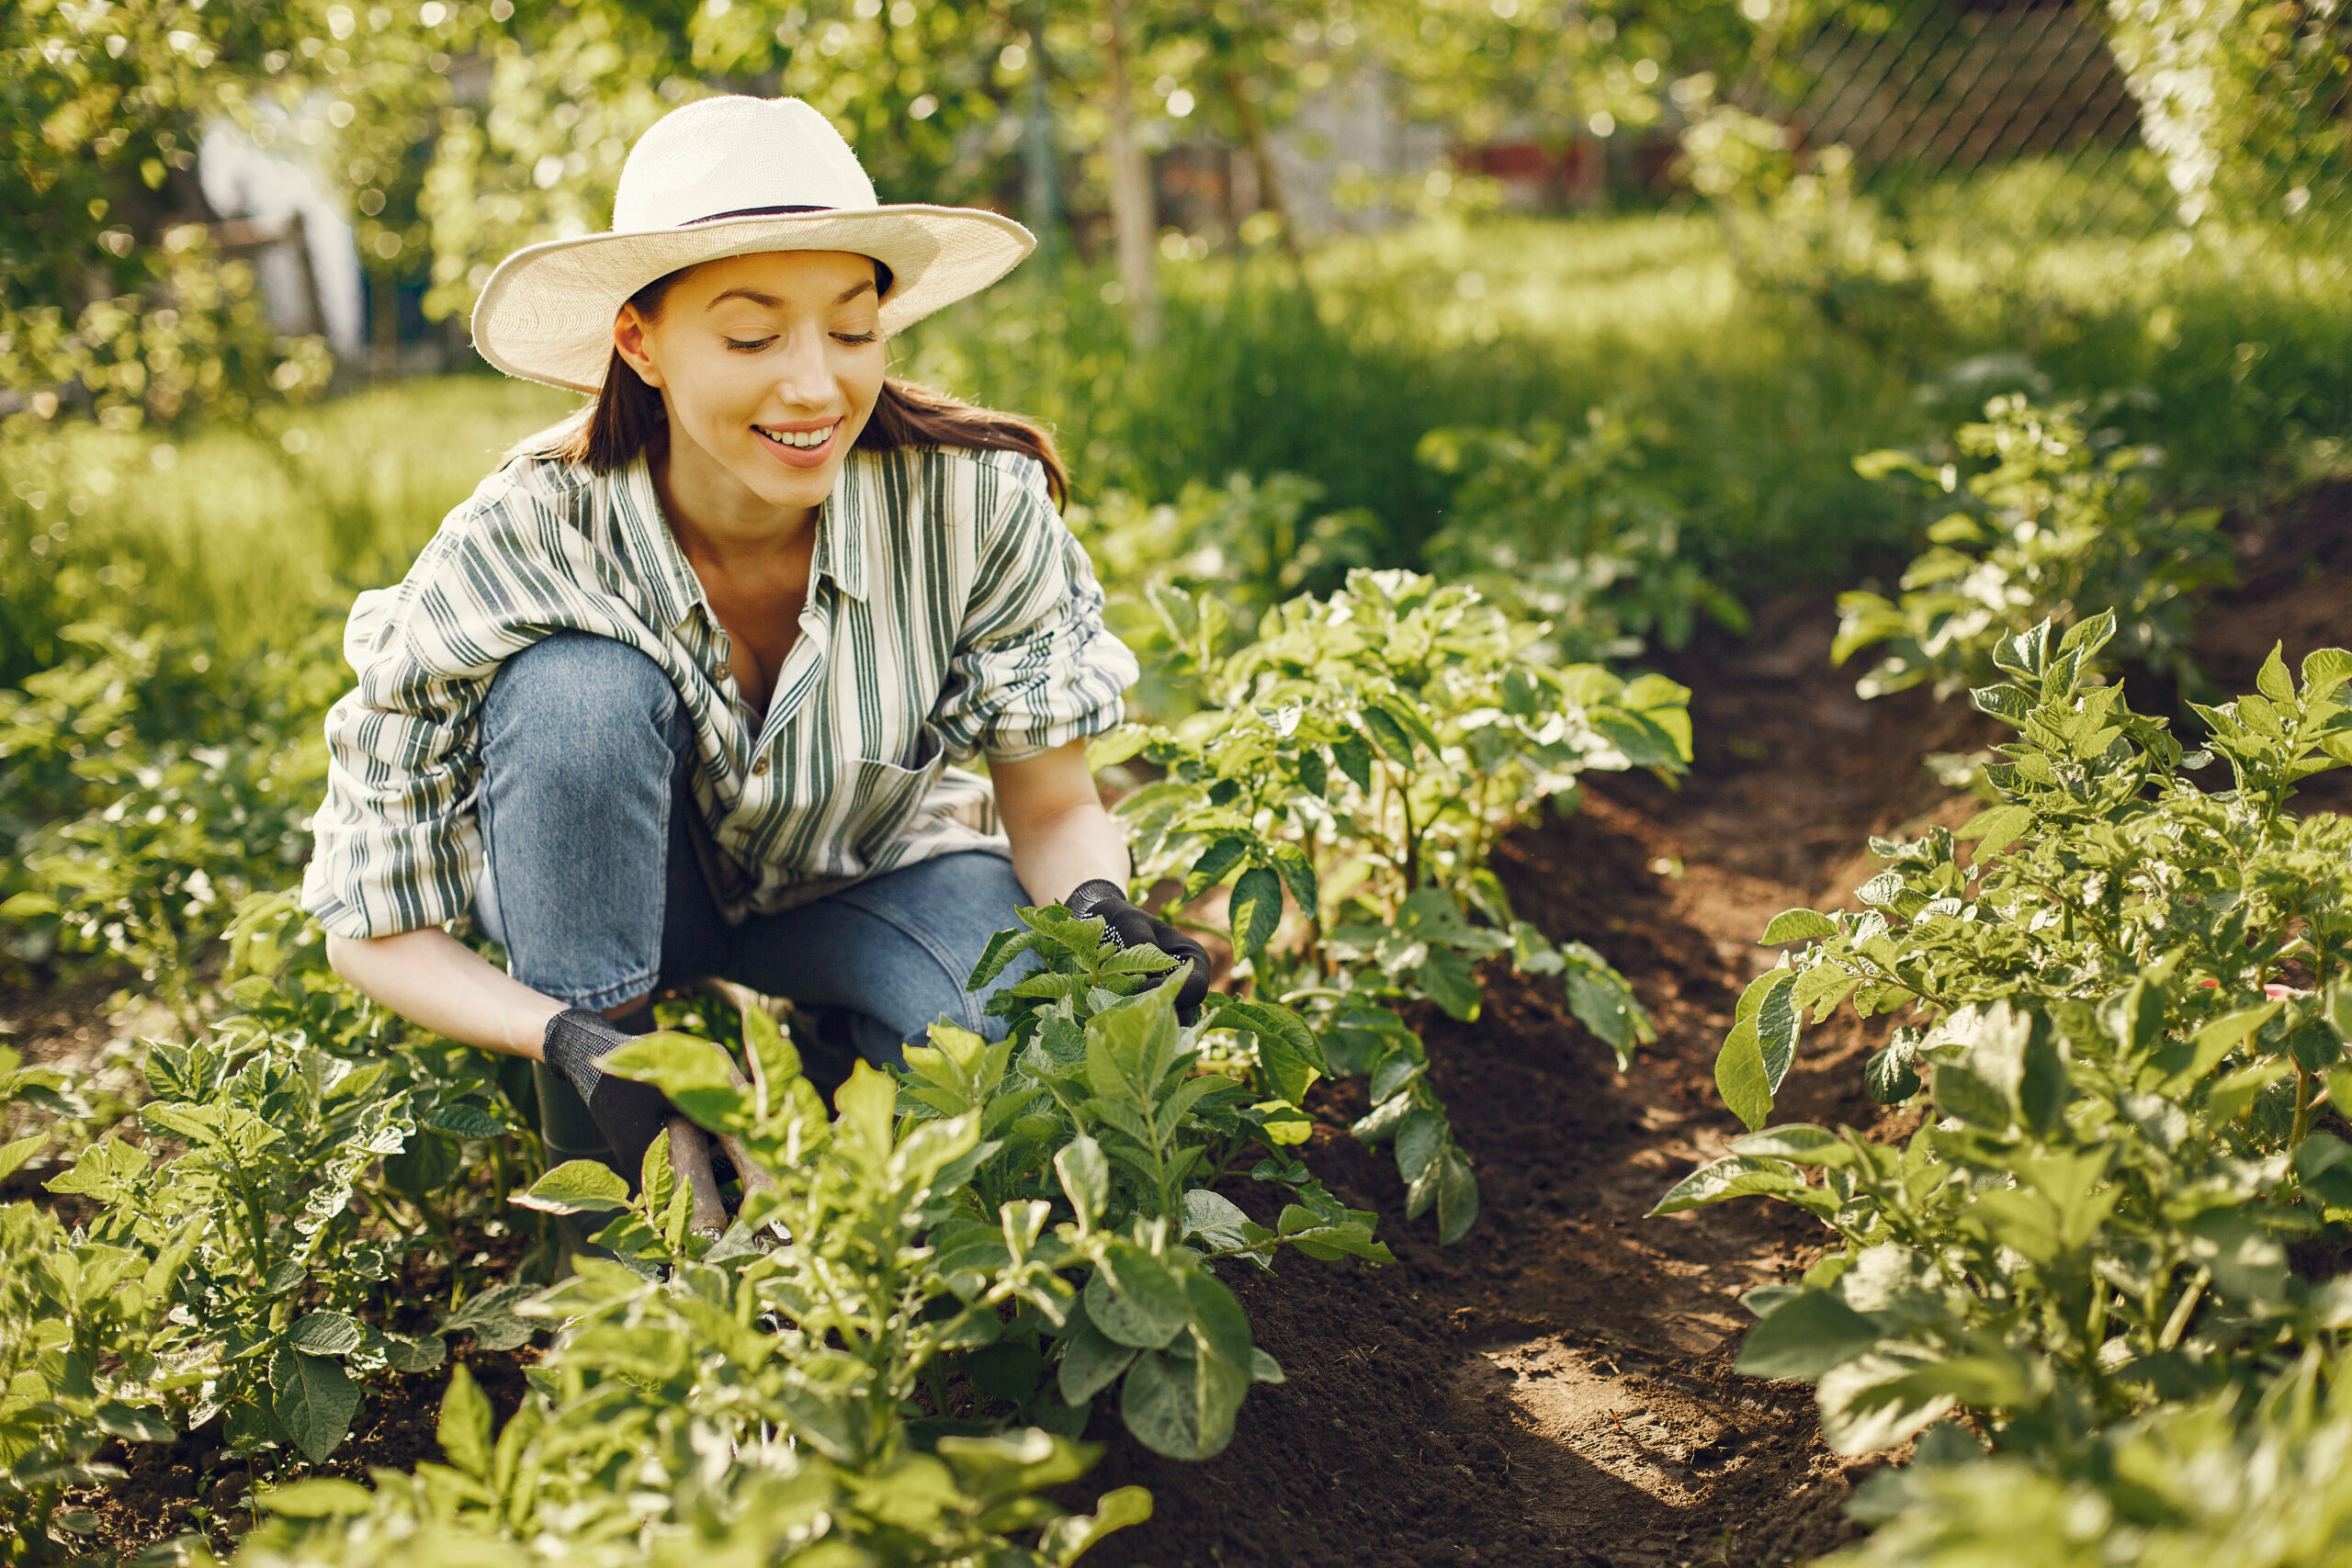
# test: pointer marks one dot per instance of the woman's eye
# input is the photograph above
(875, 336)
(751, 345)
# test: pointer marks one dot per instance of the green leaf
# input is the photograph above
(2272, 680)
(1314, 773)
(1001, 950)
(1216, 1220)
(1995, 830)
(1091, 1363)
(775, 1062)
(1214, 863)
(696, 1076)
(1287, 1048)
(1068, 1540)
(864, 1106)
(1220, 1324)
(490, 1316)
(1891, 1074)
(325, 1334)
(1161, 1406)
(1457, 1196)
(15, 1154)
(1801, 1141)
(465, 1424)
(2324, 669)
(1805, 1336)
(1449, 977)
(1085, 1179)
(1735, 1175)
(575, 1186)
(133, 1422)
(1145, 1306)
(1299, 876)
(1354, 759)
(2218, 1039)
(1740, 1075)
(319, 1498)
(1256, 908)
(1798, 925)
(313, 1399)
(1389, 736)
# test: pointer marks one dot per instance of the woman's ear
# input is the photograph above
(630, 341)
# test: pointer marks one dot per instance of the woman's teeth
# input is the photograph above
(803, 438)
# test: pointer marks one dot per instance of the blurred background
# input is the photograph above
(1600, 298)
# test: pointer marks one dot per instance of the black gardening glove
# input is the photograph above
(630, 1114)
(1131, 927)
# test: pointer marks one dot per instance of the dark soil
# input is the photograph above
(1555, 1388)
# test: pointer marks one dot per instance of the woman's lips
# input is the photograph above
(799, 457)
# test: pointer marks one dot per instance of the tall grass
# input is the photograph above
(2232, 354)
(247, 533)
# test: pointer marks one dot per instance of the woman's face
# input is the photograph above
(769, 365)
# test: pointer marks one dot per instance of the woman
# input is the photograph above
(674, 692)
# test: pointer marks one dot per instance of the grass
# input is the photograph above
(2233, 353)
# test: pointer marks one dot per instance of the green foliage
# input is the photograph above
(1570, 527)
(2188, 1486)
(1098, 1106)
(1251, 542)
(1356, 763)
(2051, 530)
(789, 1349)
(2124, 1013)
(143, 809)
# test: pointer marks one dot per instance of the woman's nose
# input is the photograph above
(804, 374)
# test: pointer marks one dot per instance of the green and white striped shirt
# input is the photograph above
(950, 614)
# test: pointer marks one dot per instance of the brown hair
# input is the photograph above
(627, 417)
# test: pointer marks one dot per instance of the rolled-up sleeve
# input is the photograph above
(1033, 667)
(397, 845)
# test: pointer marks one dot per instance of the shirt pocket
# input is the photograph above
(889, 794)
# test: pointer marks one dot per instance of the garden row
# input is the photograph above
(2093, 1261)
(922, 1292)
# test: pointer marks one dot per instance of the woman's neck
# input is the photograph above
(721, 525)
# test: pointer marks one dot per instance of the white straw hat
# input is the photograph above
(728, 177)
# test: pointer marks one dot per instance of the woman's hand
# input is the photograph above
(1066, 849)
(1132, 926)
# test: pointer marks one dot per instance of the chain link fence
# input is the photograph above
(2124, 119)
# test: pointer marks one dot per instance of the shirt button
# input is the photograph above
(760, 766)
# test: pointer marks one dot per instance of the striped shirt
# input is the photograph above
(950, 614)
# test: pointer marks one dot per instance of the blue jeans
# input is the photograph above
(595, 883)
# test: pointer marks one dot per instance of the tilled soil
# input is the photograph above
(1556, 1387)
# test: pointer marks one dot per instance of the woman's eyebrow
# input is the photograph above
(754, 294)
(772, 303)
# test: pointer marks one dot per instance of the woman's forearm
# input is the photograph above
(1076, 844)
(430, 977)
(1054, 818)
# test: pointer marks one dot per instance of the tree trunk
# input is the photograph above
(1133, 220)
(1037, 147)
(1261, 160)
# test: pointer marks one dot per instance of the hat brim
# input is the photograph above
(547, 314)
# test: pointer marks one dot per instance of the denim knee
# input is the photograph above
(582, 743)
(567, 696)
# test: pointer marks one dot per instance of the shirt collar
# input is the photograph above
(669, 578)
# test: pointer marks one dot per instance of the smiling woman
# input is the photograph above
(677, 692)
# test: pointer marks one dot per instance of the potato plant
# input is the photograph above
(2048, 528)
(143, 808)
(747, 1392)
(2127, 1013)
(1356, 763)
